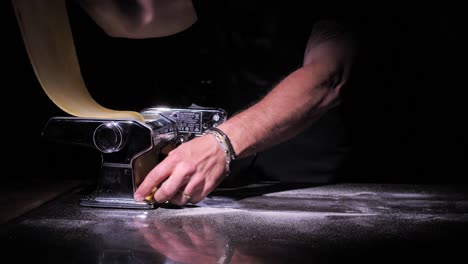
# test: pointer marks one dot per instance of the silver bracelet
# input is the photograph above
(226, 140)
(225, 148)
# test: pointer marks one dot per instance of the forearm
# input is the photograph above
(287, 110)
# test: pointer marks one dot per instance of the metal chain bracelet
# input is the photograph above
(226, 140)
(225, 148)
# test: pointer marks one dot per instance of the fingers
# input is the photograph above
(186, 194)
(195, 188)
(195, 191)
(180, 198)
(154, 178)
(179, 177)
(206, 187)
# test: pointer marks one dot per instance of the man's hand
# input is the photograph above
(188, 174)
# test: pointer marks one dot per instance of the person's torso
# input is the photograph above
(231, 57)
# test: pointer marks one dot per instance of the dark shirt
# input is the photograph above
(230, 58)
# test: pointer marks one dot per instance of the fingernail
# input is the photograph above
(138, 198)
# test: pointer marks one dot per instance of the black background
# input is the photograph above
(407, 119)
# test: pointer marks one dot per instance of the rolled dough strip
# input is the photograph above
(47, 35)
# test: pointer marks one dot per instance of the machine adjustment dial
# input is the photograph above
(108, 137)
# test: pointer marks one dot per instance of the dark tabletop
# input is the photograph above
(262, 223)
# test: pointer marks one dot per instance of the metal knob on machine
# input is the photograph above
(108, 137)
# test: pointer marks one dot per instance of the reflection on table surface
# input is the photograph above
(317, 224)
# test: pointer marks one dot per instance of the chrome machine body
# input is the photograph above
(130, 148)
